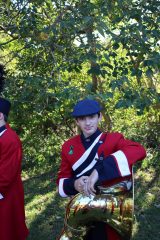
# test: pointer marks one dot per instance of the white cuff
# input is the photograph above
(122, 163)
(60, 188)
(1, 196)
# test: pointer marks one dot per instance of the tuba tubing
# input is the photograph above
(112, 205)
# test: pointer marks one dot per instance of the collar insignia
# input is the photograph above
(71, 150)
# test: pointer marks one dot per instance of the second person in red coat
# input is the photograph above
(12, 214)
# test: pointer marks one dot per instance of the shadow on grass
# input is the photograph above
(45, 214)
(147, 207)
(40, 184)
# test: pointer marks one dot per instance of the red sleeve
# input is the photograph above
(123, 154)
(65, 179)
(133, 151)
(65, 170)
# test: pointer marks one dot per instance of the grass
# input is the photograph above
(45, 209)
(147, 205)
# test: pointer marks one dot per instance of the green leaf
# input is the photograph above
(149, 73)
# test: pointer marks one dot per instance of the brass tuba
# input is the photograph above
(112, 205)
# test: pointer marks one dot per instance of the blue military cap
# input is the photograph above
(86, 107)
(5, 106)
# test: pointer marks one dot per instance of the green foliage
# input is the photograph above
(57, 52)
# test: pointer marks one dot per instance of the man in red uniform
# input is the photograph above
(12, 215)
(94, 157)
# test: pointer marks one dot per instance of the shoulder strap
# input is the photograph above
(89, 158)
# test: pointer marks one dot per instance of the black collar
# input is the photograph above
(89, 140)
(2, 128)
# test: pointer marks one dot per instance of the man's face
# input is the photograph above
(89, 124)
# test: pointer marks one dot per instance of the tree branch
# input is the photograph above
(11, 40)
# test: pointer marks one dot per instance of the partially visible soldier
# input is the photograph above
(12, 214)
(95, 157)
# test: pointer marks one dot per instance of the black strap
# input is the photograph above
(2, 129)
(89, 159)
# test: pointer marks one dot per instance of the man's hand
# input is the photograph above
(90, 184)
(79, 183)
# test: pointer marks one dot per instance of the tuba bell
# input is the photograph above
(112, 205)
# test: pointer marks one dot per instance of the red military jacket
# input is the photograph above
(110, 153)
(12, 215)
